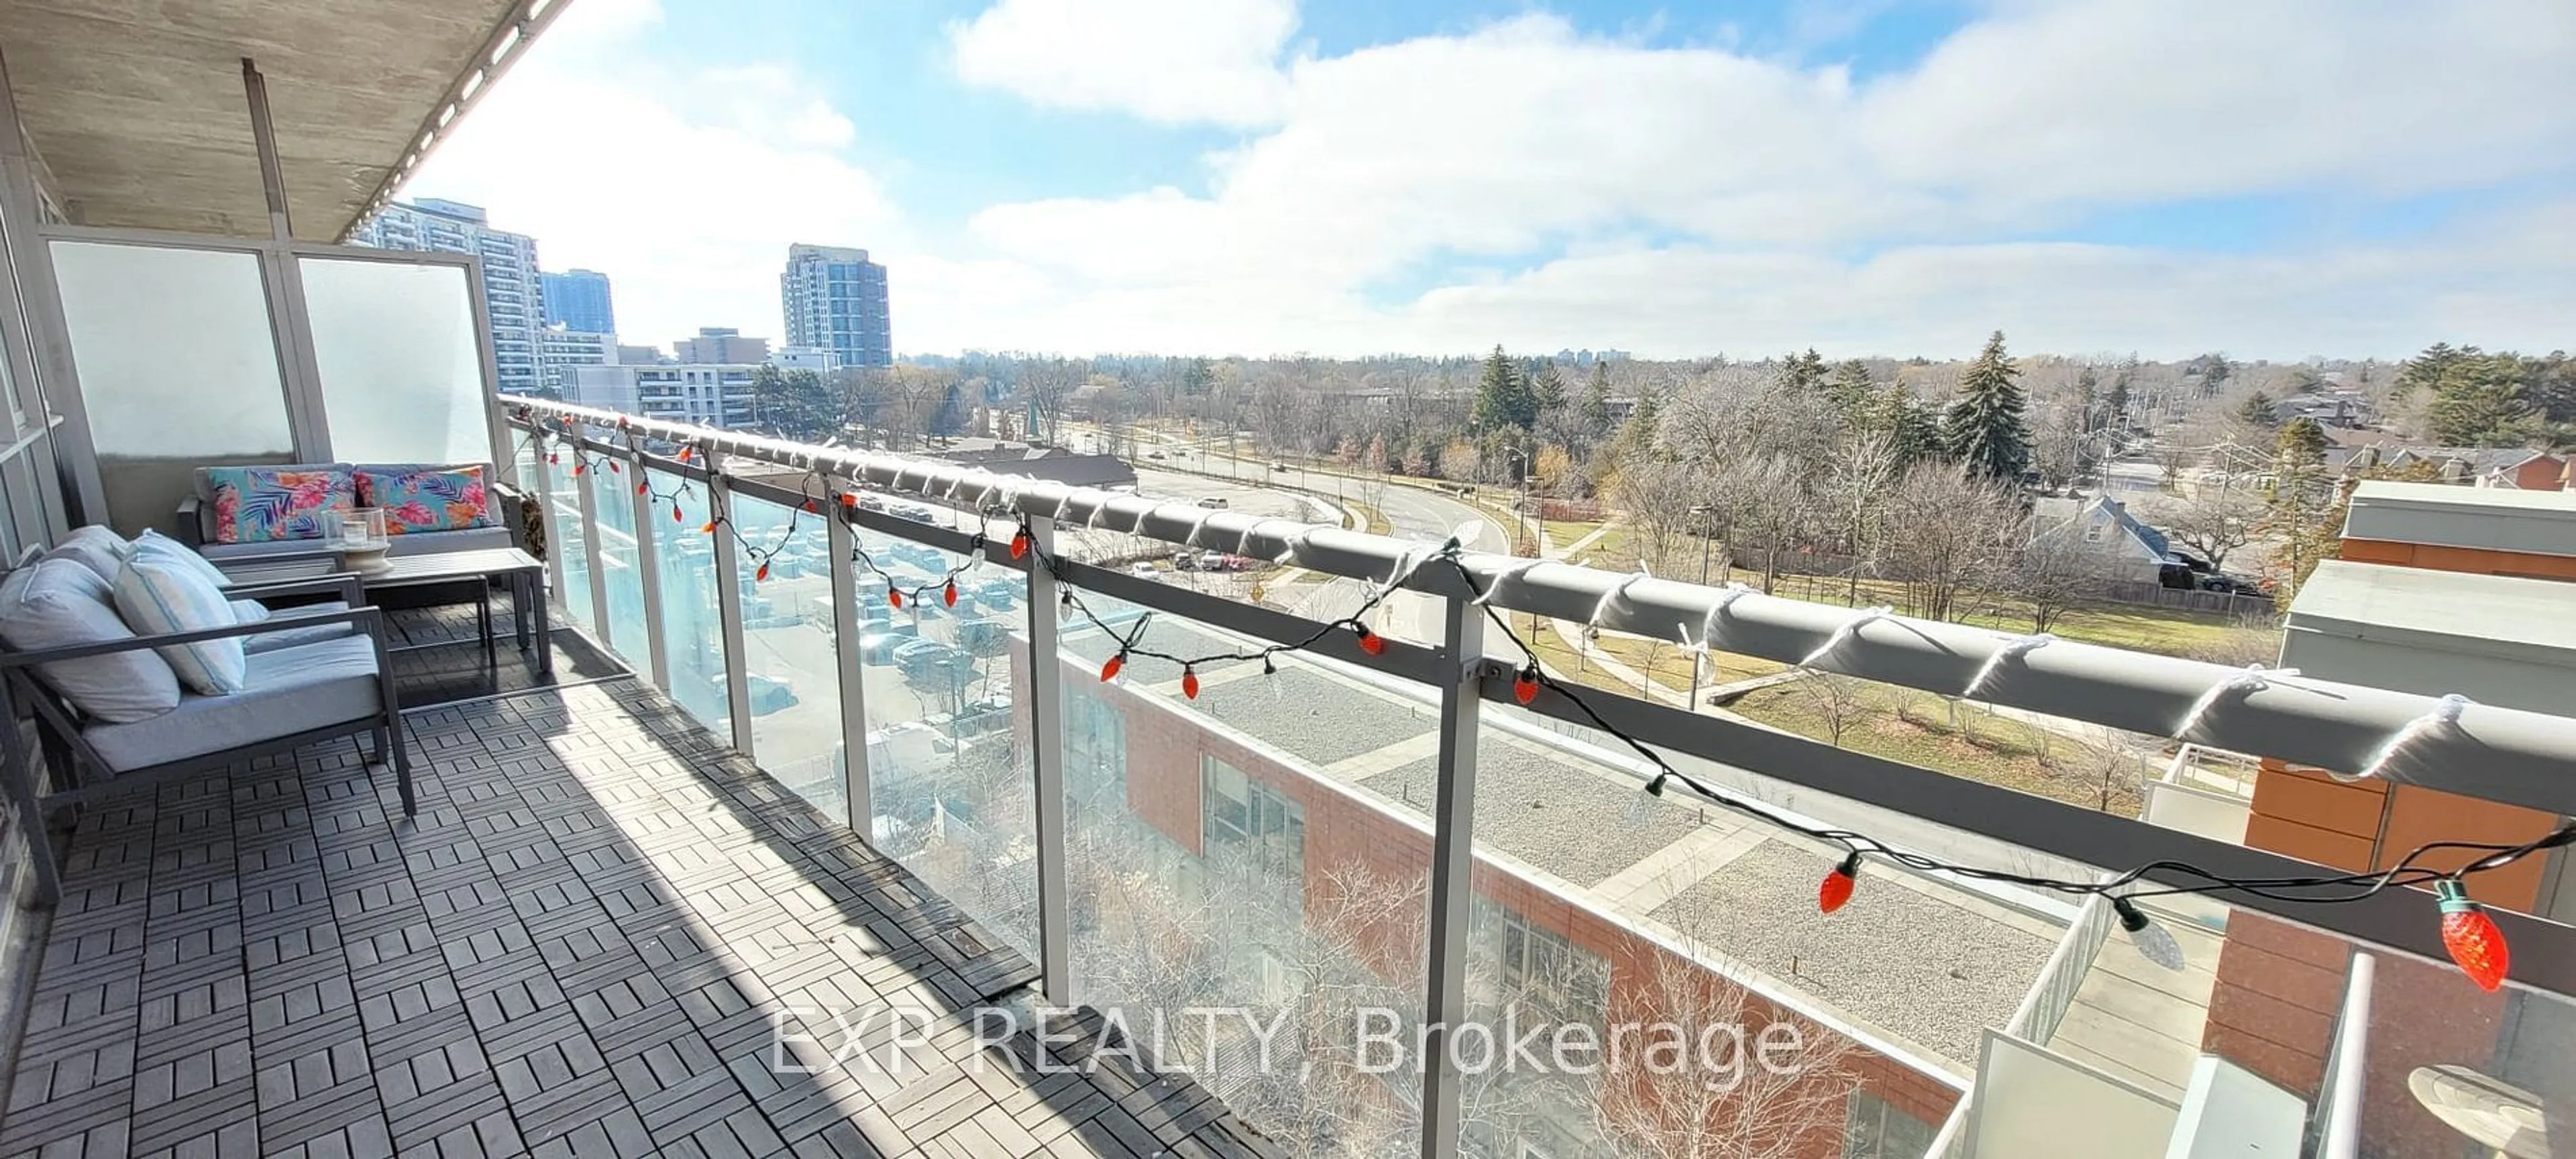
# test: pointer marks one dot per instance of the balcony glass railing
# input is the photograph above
(1241, 860)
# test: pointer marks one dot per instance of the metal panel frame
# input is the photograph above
(729, 614)
(648, 564)
(856, 787)
(1453, 870)
(50, 385)
(1046, 762)
(583, 493)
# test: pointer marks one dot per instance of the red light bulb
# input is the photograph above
(1109, 671)
(676, 517)
(642, 486)
(762, 574)
(850, 499)
(614, 469)
(710, 528)
(1838, 885)
(1371, 642)
(1190, 682)
(686, 452)
(2472, 937)
(553, 458)
(1525, 686)
(811, 509)
(1019, 545)
(950, 594)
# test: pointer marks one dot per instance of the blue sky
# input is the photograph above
(1265, 176)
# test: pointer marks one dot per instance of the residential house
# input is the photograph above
(2102, 530)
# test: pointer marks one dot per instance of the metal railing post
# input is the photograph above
(840, 539)
(1046, 759)
(584, 492)
(2338, 1116)
(647, 563)
(544, 473)
(1453, 866)
(729, 613)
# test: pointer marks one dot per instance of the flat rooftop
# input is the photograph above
(2496, 518)
(2499, 640)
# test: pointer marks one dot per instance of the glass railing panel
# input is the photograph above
(1229, 882)
(685, 557)
(613, 499)
(788, 649)
(572, 535)
(948, 771)
(1676, 934)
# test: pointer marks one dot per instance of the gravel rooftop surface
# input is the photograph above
(1933, 973)
(1544, 810)
(1313, 717)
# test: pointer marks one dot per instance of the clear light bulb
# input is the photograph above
(2154, 942)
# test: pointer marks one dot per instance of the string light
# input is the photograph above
(2476, 945)
(1838, 885)
(950, 594)
(2471, 935)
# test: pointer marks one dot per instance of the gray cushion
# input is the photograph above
(56, 603)
(288, 635)
(100, 550)
(290, 690)
(156, 545)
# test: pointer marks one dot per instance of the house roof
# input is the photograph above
(2056, 511)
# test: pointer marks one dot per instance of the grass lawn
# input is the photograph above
(2166, 631)
(1989, 749)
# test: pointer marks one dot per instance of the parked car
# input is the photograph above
(1214, 503)
(1143, 570)
(769, 694)
(989, 715)
(2237, 585)
(1185, 560)
(878, 646)
(1153, 454)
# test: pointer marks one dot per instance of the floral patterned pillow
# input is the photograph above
(432, 500)
(261, 504)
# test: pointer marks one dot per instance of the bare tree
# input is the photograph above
(1956, 527)
(1772, 508)
(2212, 523)
(2113, 766)
(1046, 387)
(1657, 496)
(1853, 496)
(1766, 1112)
(1836, 699)
(2050, 573)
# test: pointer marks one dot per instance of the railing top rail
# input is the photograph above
(2501, 754)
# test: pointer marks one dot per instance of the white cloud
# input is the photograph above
(1751, 178)
(685, 184)
(1169, 61)
(1526, 184)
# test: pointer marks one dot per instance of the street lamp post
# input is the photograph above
(1707, 536)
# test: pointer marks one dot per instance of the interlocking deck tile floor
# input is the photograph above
(579, 948)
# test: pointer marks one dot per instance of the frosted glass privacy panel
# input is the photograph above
(402, 377)
(176, 355)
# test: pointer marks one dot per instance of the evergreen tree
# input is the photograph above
(1850, 390)
(1198, 377)
(2258, 410)
(1985, 428)
(2480, 401)
(2425, 371)
(2303, 444)
(1547, 388)
(1636, 442)
(1911, 429)
(949, 420)
(1503, 395)
(1596, 401)
(1800, 373)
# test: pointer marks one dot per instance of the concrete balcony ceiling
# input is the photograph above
(138, 115)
